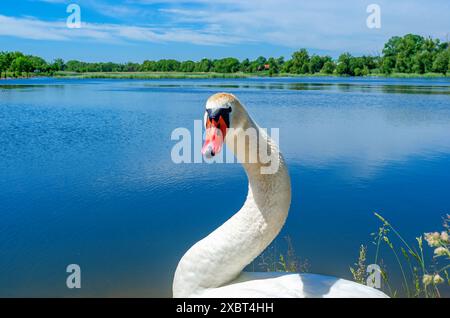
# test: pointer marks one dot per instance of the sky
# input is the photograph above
(136, 30)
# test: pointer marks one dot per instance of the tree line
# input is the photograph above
(408, 54)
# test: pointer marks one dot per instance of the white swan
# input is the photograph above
(213, 266)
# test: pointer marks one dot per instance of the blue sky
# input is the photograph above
(135, 30)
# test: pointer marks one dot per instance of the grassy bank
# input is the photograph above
(198, 75)
(184, 75)
(150, 75)
(175, 75)
(413, 75)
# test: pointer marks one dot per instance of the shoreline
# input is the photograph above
(212, 75)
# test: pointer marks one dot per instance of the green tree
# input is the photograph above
(187, 66)
(226, 65)
(4, 63)
(399, 52)
(441, 63)
(149, 66)
(357, 71)
(58, 65)
(21, 65)
(260, 63)
(38, 64)
(343, 65)
(422, 62)
(245, 66)
(10, 58)
(407, 54)
(286, 68)
(168, 65)
(204, 65)
(129, 67)
(274, 67)
(315, 64)
(75, 66)
(365, 71)
(299, 62)
(280, 60)
(387, 65)
(409, 45)
(328, 67)
(257, 65)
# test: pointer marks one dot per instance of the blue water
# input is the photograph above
(86, 175)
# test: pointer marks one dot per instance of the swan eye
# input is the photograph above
(218, 118)
(221, 116)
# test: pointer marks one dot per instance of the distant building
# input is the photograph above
(266, 66)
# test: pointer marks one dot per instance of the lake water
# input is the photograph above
(86, 175)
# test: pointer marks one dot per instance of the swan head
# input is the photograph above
(223, 112)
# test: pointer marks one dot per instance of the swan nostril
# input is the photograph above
(209, 152)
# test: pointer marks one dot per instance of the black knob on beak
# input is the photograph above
(209, 152)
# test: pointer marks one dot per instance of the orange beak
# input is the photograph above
(215, 136)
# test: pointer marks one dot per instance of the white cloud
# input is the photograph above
(325, 25)
(321, 25)
(32, 28)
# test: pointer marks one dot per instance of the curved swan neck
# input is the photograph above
(222, 255)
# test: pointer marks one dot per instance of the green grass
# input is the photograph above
(150, 75)
(199, 75)
(413, 75)
(10, 74)
(420, 276)
(279, 259)
(176, 75)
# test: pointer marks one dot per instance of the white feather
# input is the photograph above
(213, 266)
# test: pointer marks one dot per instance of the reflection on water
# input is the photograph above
(340, 87)
(86, 175)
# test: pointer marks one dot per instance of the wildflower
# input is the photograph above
(441, 251)
(432, 239)
(427, 279)
(437, 279)
(444, 236)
